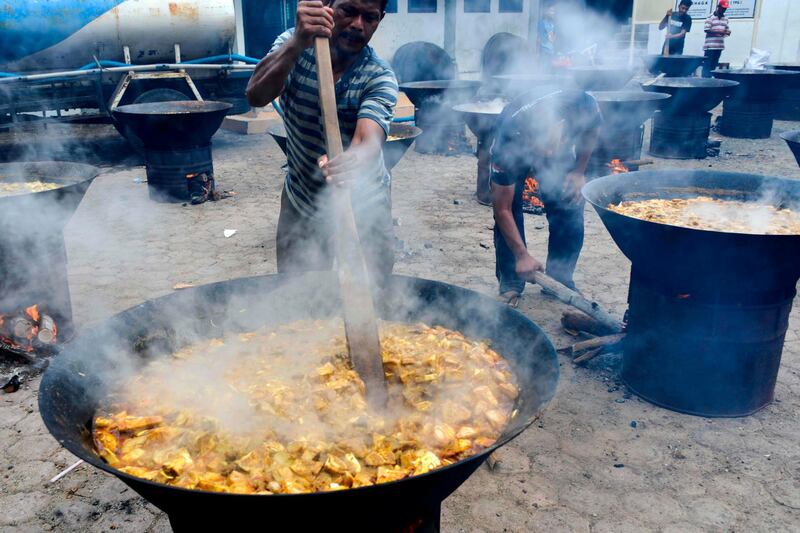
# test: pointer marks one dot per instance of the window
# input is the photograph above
(510, 6)
(422, 6)
(391, 6)
(477, 6)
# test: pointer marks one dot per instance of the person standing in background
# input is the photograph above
(680, 24)
(546, 35)
(716, 28)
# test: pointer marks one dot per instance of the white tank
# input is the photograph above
(65, 34)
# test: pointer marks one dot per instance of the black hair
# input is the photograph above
(384, 3)
(687, 3)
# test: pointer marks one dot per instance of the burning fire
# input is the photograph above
(27, 330)
(617, 167)
(562, 62)
(530, 195)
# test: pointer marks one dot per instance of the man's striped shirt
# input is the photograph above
(368, 89)
(717, 25)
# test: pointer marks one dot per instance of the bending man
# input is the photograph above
(552, 138)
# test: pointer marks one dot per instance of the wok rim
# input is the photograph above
(479, 457)
(462, 108)
(669, 173)
(754, 72)
(651, 96)
(140, 110)
(440, 85)
(702, 83)
(87, 172)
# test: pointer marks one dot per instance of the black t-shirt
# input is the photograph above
(538, 133)
(677, 23)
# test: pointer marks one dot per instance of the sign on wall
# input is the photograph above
(740, 9)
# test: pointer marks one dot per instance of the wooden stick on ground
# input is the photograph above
(570, 297)
(588, 356)
(597, 342)
(361, 327)
(579, 321)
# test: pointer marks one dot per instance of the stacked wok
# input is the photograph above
(89, 369)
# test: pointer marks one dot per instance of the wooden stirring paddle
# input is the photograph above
(360, 323)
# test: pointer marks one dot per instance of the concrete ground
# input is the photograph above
(586, 466)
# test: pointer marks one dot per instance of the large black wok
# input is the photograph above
(91, 367)
(513, 85)
(673, 66)
(708, 310)
(759, 85)
(691, 95)
(601, 77)
(700, 258)
(439, 92)
(33, 256)
(175, 124)
(628, 109)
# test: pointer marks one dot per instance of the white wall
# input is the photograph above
(780, 31)
(399, 28)
(474, 29)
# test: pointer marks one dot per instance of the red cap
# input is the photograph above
(724, 3)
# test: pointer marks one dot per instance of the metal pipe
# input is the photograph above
(229, 57)
(133, 68)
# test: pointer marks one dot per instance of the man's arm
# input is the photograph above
(575, 180)
(374, 119)
(678, 35)
(587, 145)
(360, 156)
(313, 19)
(665, 20)
(502, 199)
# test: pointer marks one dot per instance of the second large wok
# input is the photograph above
(92, 366)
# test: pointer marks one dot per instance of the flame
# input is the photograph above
(530, 194)
(33, 312)
(563, 62)
(28, 344)
(617, 167)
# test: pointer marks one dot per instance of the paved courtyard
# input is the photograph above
(679, 473)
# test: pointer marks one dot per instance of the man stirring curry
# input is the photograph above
(366, 93)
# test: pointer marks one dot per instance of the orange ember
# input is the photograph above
(617, 167)
(25, 331)
(563, 62)
(530, 194)
(33, 312)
